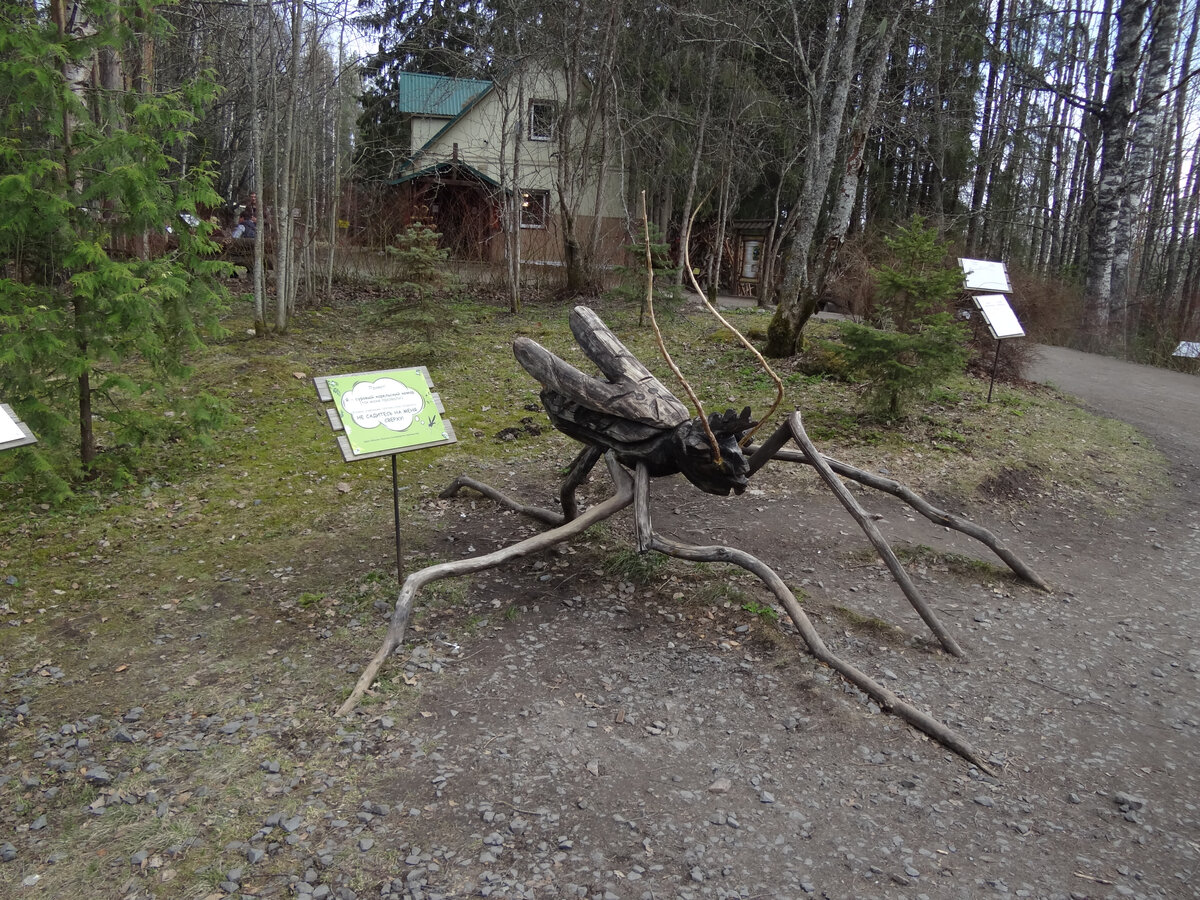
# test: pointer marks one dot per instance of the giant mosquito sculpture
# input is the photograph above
(643, 431)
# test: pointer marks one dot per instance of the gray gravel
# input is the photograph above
(607, 740)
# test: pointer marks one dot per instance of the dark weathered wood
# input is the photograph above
(649, 540)
(545, 516)
(916, 501)
(620, 366)
(578, 473)
(632, 414)
(638, 424)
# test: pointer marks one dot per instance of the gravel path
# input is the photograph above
(612, 741)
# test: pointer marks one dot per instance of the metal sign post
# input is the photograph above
(1001, 322)
(990, 276)
(385, 413)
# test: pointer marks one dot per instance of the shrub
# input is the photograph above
(920, 344)
(632, 287)
(420, 263)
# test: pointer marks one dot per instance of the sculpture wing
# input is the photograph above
(630, 392)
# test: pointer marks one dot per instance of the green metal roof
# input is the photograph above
(443, 169)
(437, 95)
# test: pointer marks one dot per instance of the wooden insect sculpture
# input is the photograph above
(628, 418)
(630, 412)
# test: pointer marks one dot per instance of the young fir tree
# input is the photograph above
(103, 283)
(921, 345)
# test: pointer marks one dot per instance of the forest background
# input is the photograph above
(1059, 139)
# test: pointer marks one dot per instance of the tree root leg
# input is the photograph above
(576, 475)
(924, 507)
(545, 516)
(882, 547)
(414, 582)
(647, 539)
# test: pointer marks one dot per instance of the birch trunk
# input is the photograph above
(1147, 129)
(256, 268)
(847, 192)
(1114, 121)
(797, 300)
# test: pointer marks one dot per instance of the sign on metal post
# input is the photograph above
(998, 316)
(985, 275)
(1188, 350)
(991, 278)
(13, 432)
(385, 413)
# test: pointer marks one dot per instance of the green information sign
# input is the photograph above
(385, 412)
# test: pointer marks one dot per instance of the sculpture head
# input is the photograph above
(694, 455)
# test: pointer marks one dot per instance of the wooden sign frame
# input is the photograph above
(396, 397)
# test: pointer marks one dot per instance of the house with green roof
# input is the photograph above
(486, 157)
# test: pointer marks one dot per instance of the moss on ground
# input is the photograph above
(272, 556)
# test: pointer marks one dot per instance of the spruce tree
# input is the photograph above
(104, 282)
(919, 345)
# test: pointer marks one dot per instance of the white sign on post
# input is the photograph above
(1188, 350)
(13, 432)
(1001, 320)
(984, 275)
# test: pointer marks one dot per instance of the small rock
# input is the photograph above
(1128, 802)
(97, 775)
(7, 852)
(720, 786)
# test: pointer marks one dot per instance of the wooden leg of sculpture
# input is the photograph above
(924, 507)
(414, 582)
(647, 539)
(545, 516)
(924, 610)
(576, 475)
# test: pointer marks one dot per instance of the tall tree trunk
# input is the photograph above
(72, 22)
(987, 131)
(285, 249)
(1147, 127)
(1114, 121)
(797, 300)
(335, 188)
(513, 216)
(256, 152)
(1176, 227)
(847, 192)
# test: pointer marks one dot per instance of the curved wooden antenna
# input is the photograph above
(662, 347)
(687, 263)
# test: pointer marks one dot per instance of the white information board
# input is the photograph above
(983, 275)
(1188, 350)
(13, 432)
(1001, 320)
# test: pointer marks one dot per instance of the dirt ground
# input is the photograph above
(666, 754)
(613, 736)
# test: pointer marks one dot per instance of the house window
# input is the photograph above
(535, 208)
(541, 120)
